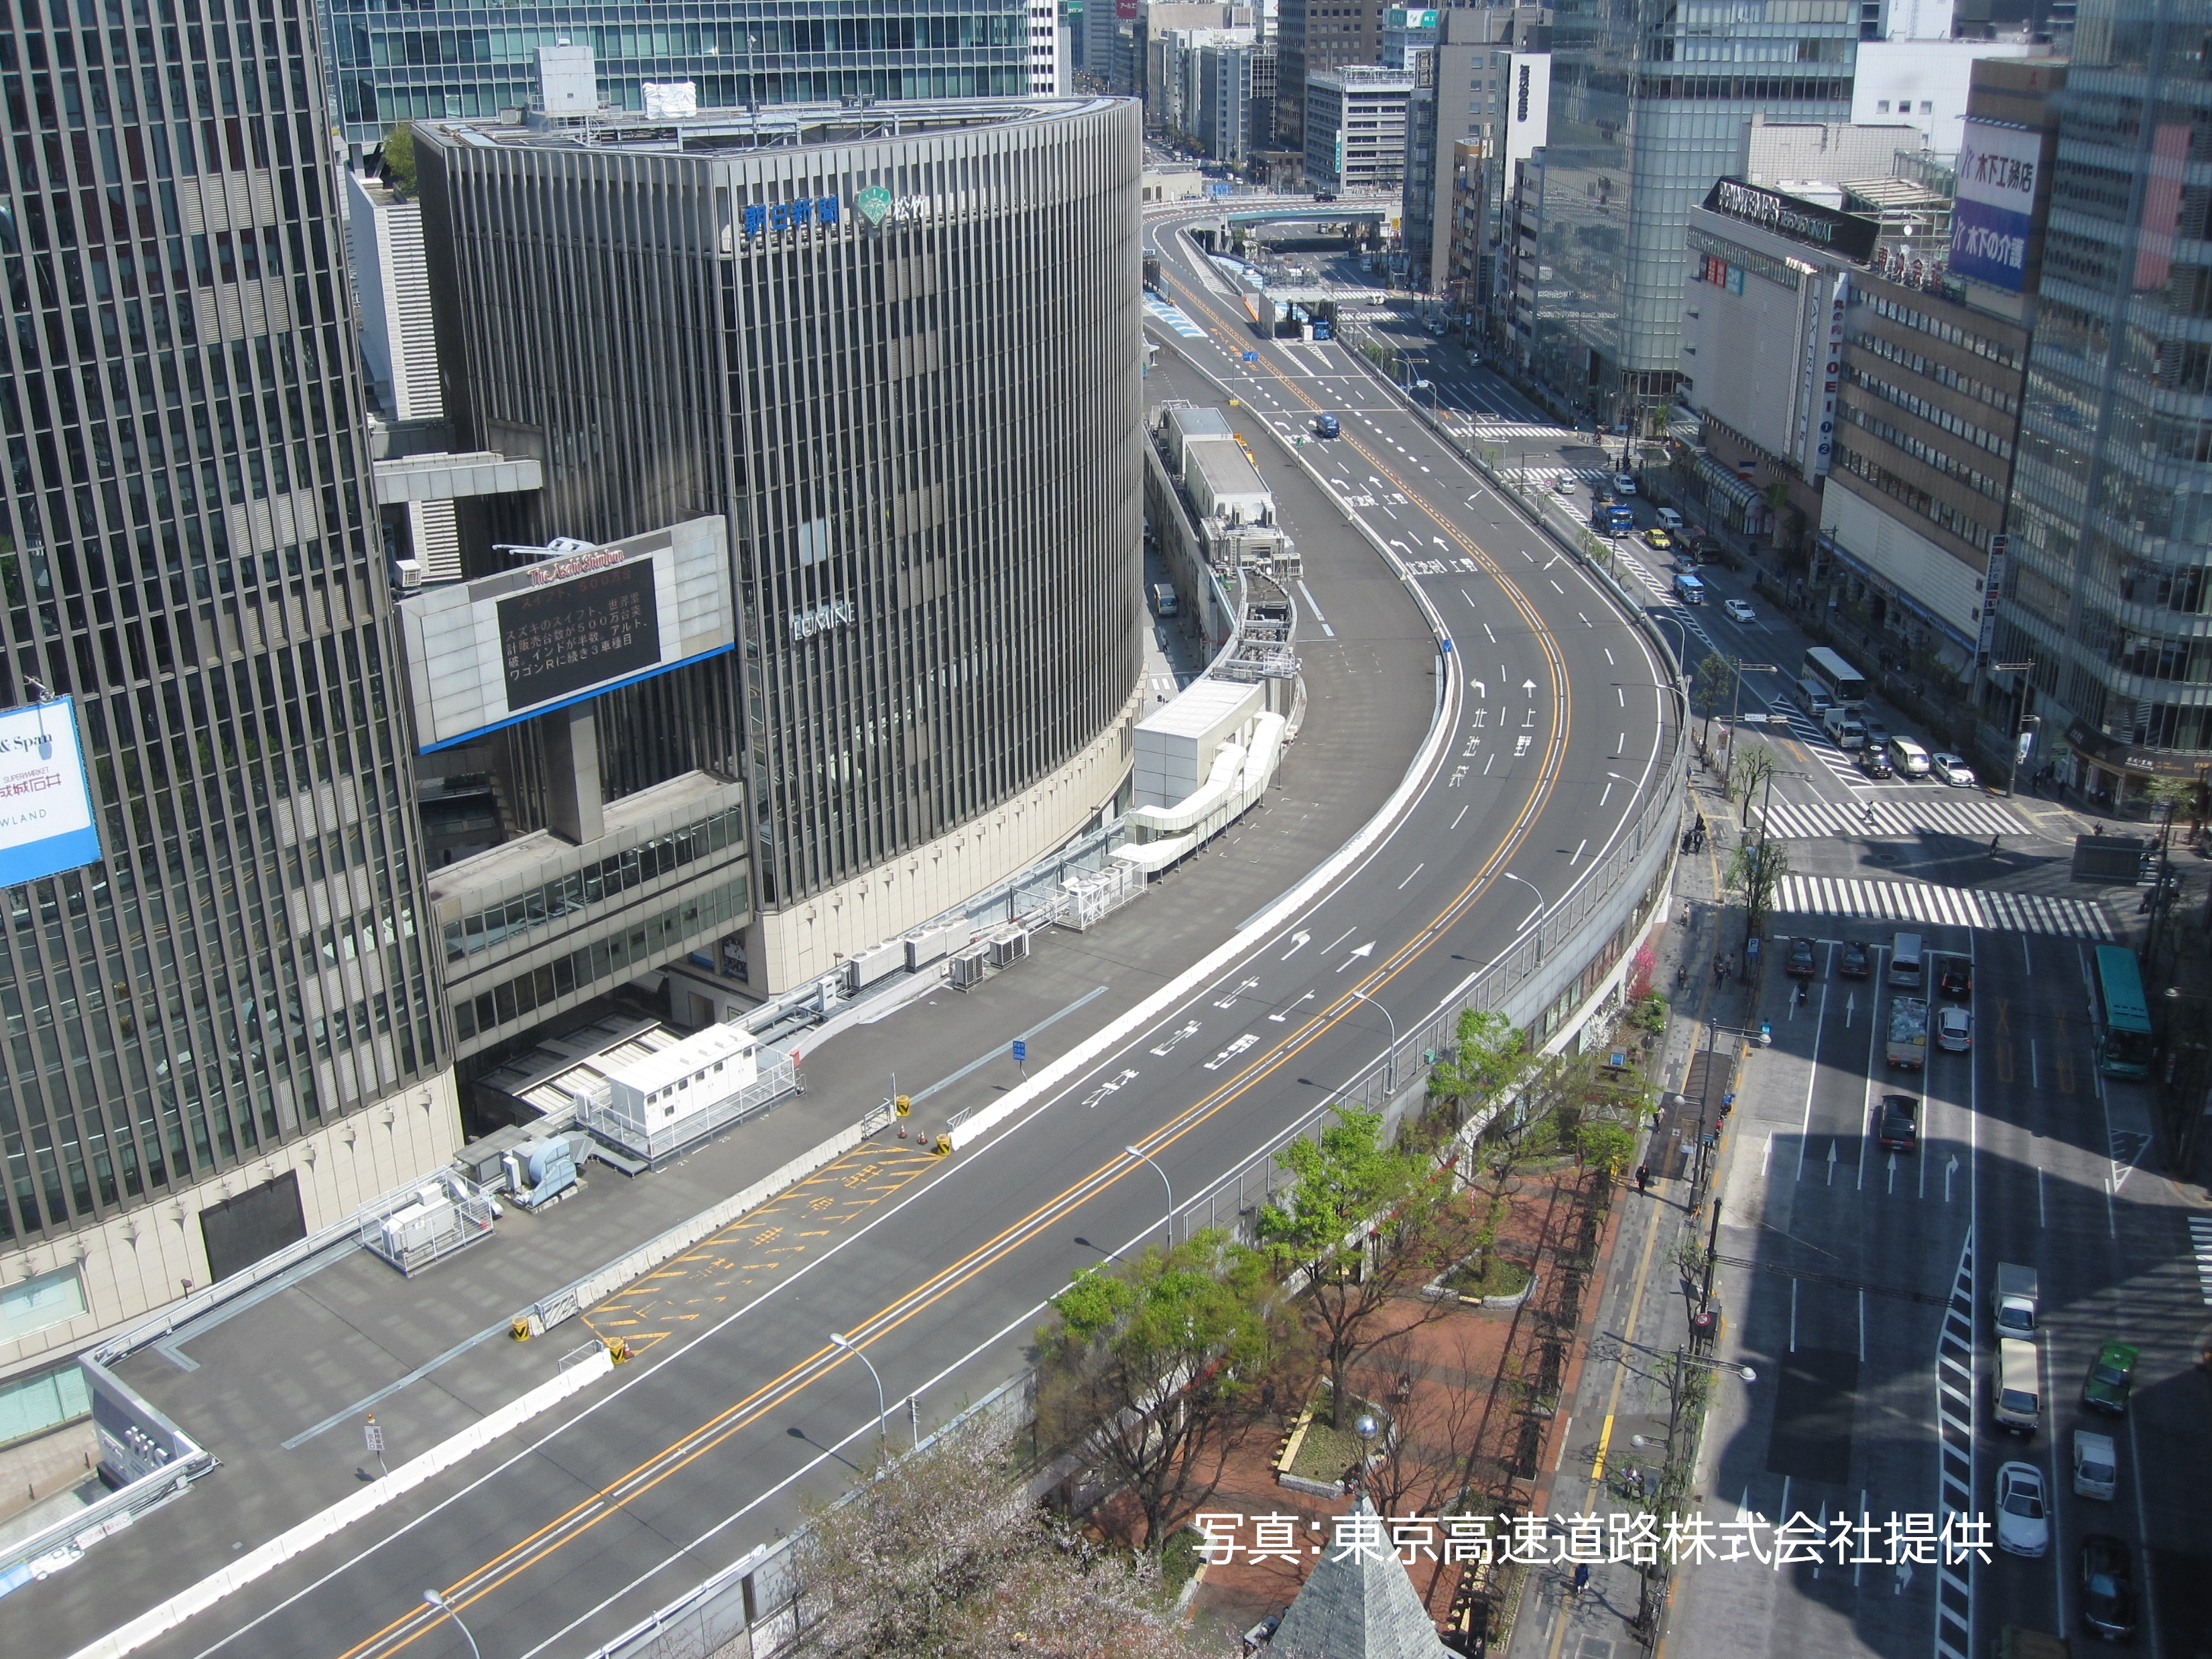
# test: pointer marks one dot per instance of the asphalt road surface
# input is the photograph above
(576, 1527)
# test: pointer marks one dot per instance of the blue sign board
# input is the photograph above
(1021, 1051)
(47, 822)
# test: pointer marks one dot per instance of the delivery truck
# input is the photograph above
(1908, 1033)
(2015, 1299)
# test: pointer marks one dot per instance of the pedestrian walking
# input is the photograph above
(1993, 846)
(1643, 1177)
(1582, 1578)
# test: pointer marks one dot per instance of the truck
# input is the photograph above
(1908, 1033)
(1619, 521)
(2014, 1299)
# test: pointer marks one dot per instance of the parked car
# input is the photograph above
(2108, 1586)
(1856, 963)
(1900, 1124)
(1739, 611)
(1957, 978)
(2111, 1374)
(1800, 965)
(1623, 484)
(1951, 769)
(1954, 1030)
(1657, 539)
(2023, 1510)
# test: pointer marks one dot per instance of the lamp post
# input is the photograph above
(1390, 1058)
(1165, 1182)
(1736, 713)
(883, 1433)
(2020, 719)
(1542, 906)
(431, 1598)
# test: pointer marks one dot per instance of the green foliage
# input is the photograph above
(399, 161)
(1488, 1057)
(1709, 688)
(1650, 1013)
(1603, 1143)
(1754, 871)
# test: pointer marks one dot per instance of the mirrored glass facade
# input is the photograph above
(1650, 102)
(2112, 507)
(398, 60)
(187, 549)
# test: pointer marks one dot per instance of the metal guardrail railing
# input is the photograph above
(654, 1143)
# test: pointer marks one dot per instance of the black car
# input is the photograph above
(1856, 961)
(1957, 978)
(2108, 1586)
(1900, 1124)
(1800, 965)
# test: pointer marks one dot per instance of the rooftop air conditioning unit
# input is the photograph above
(407, 574)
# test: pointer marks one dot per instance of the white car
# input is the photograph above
(1670, 520)
(1955, 1029)
(2023, 1510)
(1564, 487)
(1951, 769)
(1623, 484)
(1739, 611)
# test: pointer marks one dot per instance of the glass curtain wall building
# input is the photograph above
(2111, 505)
(202, 1017)
(1650, 101)
(392, 62)
(899, 351)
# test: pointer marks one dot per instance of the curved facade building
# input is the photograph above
(898, 348)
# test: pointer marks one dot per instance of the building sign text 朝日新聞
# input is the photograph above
(763, 218)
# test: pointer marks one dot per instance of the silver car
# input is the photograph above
(2023, 1510)
(1951, 769)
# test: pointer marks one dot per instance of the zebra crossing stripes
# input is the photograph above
(1909, 811)
(1948, 907)
(1482, 430)
(2200, 1241)
(1173, 319)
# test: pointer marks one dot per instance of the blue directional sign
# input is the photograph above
(1251, 356)
(1021, 1052)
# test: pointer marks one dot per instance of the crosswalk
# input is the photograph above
(1481, 430)
(1173, 319)
(1913, 811)
(2200, 1241)
(1950, 907)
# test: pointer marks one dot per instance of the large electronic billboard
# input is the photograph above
(487, 654)
(47, 822)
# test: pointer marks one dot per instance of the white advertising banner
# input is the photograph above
(46, 802)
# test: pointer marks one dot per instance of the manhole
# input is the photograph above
(1883, 858)
(1595, 1647)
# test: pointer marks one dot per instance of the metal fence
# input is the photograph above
(656, 1144)
(450, 1213)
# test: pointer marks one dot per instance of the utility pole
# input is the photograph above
(1735, 710)
(2019, 718)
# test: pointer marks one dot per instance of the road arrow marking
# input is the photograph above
(1298, 942)
(1230, 1001)
(1529, 686)
(1851, 1007)
(1366, 950)
(1289, 1008)
(1231, 1052)
(1178, 1036)
(1892, 1175)
(1108, 1088)
(1950, 1167)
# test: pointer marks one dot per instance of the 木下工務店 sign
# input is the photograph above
(46, 822)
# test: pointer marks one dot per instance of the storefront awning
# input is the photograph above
(1721, 477)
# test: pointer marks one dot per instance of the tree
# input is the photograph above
(1159, 1367)
(1365, 1224)
(399, 161)
(941, 1553)
(1487, 1058)
(1436, 1424)
(1754, 871)
(1709, 689)
(1748, 770)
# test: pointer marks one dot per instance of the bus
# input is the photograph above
(1844, 684)
(2123, 1033)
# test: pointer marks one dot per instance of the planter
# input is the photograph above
(1438, 1290)
(1296, 1441)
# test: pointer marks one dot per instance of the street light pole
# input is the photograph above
(2019, 718)
(883, 1433)
(1543, 907)
(1390, 1060)
(1165, 1182)
(1735, 713)
(432, 1599)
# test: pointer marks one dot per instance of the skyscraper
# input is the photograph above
(455, 59)
(2112, 509)
(1312, 38)
(227, 1011)
(1648, 106)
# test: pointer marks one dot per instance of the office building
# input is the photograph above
(1648, 111)
(1407, 30)
(1312, 37)
(1182, 92)
(1935, 363)
(1355, 129)
(1485, 76)
(454, 60)
(2111, 502)
(1925, 83)
(1236, 106)
(224, 1031)
(892, 358)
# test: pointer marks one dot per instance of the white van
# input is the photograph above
(1843, 727)
(2019, 1386)
(1670, 520)
(1908, 963)
(1813, 697)
(1910, 759)
(2096, 1467)
(1164, 599)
